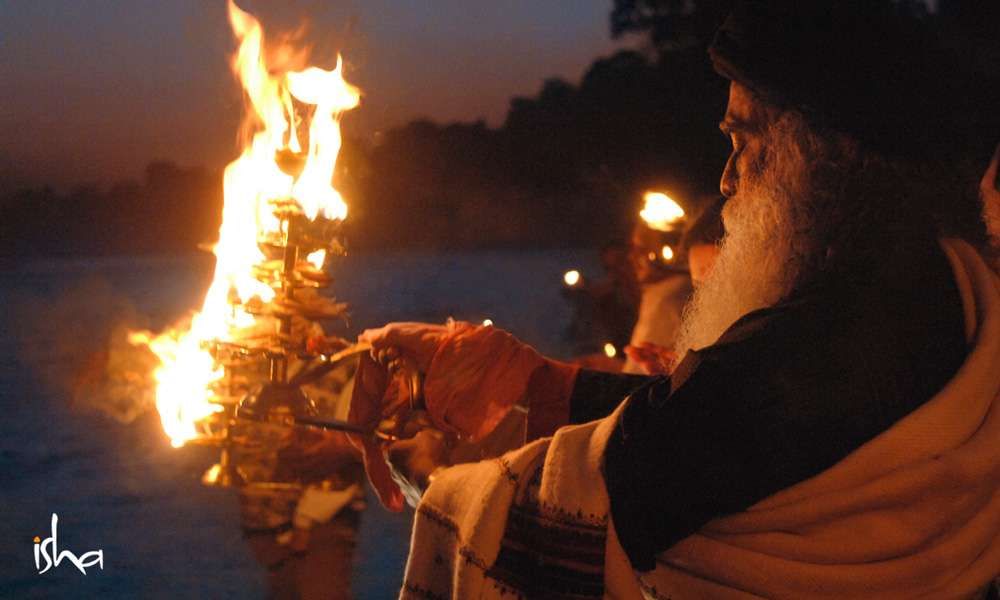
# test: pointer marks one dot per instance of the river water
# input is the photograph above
(120, 488)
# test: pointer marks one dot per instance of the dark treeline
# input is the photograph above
(566, 167)
(172, 210)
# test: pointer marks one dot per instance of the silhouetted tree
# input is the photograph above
(669, 24)
(172, 211)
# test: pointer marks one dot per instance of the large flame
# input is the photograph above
(252, 183)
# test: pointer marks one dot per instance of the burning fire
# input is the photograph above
(254, 184)
(660, 211)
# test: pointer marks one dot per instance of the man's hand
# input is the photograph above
(419, 341)
(412, 462)
(473, 374)
(371, 388)
(656, 360)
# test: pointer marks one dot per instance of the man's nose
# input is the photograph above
(727, 185)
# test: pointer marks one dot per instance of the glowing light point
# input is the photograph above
(668, 253)
(572, 278)
(317, 259)
(487, 322)
(609, 350)
(660, 211)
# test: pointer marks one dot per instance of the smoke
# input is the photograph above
(76, 343)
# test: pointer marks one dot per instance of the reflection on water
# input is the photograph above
(123, 489)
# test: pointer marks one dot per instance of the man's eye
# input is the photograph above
(739, 142)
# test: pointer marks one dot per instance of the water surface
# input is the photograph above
(122, 488)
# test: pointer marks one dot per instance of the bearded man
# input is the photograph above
(832, 429)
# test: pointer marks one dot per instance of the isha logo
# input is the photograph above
(48, 551)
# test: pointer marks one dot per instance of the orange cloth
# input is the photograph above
(370, 384)
(477, 374)
(547, 398)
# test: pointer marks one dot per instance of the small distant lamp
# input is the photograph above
(661, 213)
(572, 278)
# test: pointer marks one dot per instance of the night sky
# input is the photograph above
(96, 89)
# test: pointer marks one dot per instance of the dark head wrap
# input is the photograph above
(852, 66)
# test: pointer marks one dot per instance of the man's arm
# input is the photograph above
(596, 394)
(562, 394)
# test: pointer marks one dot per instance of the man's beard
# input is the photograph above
(769, 245)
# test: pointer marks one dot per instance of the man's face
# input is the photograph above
(768, 234)
(744, 122)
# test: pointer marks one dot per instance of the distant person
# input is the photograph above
(657, 259)
(604, 311)
(700, 244)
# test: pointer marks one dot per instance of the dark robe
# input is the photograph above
(784, 394)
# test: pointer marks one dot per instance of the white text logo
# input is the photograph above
(48, 551)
